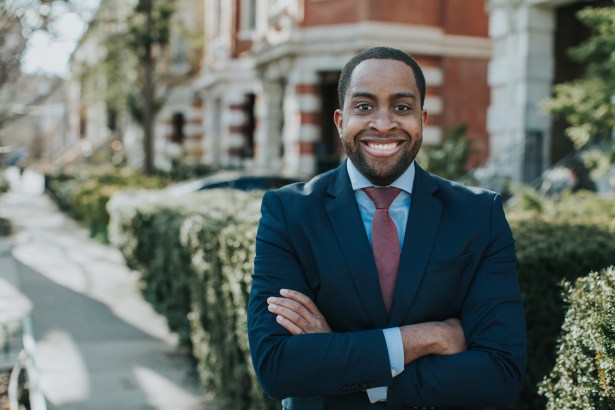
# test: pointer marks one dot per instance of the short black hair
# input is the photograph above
(379, 53)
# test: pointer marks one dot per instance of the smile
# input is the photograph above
(382, 150)
(382, 147)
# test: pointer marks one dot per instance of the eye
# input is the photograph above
(363, 107)
(402, 107)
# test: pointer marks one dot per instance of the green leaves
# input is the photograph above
(584, 372)
(448, 159)
(556, 241)
(588, 104)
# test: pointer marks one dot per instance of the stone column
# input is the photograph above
(269, 126)
(520, 76)
(303, 120)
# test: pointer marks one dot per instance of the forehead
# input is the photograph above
(377, 74)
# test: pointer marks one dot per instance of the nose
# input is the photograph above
(383, 121)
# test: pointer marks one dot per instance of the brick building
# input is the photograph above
(269, 76)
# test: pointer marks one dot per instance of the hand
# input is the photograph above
(440, 338)
(297, 313)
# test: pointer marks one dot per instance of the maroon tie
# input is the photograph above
(385, 241)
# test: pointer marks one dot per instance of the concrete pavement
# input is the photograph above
(99, 345)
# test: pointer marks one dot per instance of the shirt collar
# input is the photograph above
(405, 181)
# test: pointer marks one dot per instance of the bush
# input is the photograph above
(449, 158)
(584, 372)
(195, 256)
(4, 183)
(84, 193)
(145, 227)
(196, 252)
(222, 244)
(556, 241)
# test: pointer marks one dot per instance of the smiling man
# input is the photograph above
(378, 285)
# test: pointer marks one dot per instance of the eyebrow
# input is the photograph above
(364, 94)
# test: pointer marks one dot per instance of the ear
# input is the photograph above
(338, 119)
(424, 117)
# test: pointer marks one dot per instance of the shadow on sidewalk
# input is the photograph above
(88, 358)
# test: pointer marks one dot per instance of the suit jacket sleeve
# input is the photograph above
(490, 371)
(303, 365)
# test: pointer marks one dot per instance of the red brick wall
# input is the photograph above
(318, 13)
(465, 17)
(465, 96)
(239, 46)
(419, 12)
(394, 11)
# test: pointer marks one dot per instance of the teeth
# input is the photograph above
(382, 147)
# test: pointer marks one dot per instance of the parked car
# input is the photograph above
(240, 180)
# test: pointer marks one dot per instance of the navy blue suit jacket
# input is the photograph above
(458, 260)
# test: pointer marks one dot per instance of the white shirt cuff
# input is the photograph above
(376, 394)
(395, 348)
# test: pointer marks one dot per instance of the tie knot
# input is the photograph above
(382, 197)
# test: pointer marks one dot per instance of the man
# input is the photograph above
(341, 311)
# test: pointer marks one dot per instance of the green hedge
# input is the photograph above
(84, 192)
(4, 183)
(556, 241)
(145, 227)
(584, 374)
(222, 242)
(195, 254)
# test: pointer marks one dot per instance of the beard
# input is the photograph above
(382, 171)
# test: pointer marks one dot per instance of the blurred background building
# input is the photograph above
(531, 39)
(253, 83)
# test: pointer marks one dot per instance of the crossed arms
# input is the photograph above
(296, 353)
(299, 315)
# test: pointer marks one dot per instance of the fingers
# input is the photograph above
(290, 309)
(288, 325)
(300, 298)
(277, 306)
(297, 313)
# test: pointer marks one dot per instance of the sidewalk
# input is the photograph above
(99, 345)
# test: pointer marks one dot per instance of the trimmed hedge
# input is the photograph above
(556, 241)
(84, 193)
(584, 374)
(206, 241)
(4, 183)
(196, 254)
(145, 227)
(222, 242)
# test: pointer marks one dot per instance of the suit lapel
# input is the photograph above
(346, 220)
(423, 221)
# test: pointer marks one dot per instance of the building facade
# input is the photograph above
(253, 83)
(268, 81)
(530, 43)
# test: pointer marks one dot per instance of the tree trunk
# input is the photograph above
(148, 94)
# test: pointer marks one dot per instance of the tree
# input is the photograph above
(148, 35)
(588, 104)
(19, 21)
(14, 30)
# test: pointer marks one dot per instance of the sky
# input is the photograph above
(50, 53)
